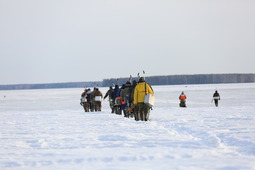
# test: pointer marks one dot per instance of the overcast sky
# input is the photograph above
(48, 41)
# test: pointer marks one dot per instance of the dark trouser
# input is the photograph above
(143, 111)
(92, 106)
(136, 115)
(111, 106)
(182, 103)
(216, 102)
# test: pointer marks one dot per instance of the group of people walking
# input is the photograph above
(183, 97)
(127, 99)
(91, 100)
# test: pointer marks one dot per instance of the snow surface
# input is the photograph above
(48, 129)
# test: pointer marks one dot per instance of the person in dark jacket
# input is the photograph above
(88, 98)
(216, 98)
(133, 109)
(132, 89)
(92, 100)
(109, 94)
(116, 92)
(117, 100)
(125, 95)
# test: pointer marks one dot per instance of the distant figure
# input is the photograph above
(88, 94)
(133, 109)
(110, 94)
(117, 100)
(125, 94)
(97, 94)
(92, 100)
(182, 98)
(84, 101)
(216, 98)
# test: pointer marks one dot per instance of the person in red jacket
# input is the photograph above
(182, 98)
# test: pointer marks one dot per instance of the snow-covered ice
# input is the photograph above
(48, 129)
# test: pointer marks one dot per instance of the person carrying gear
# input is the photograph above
(97, 95)
(216, 98)
(117, 100)
(133, 109)
(182, 98)
(141, 89)
(84, 101)
(125, 95)
(109, 94)
(88, 94)
(92, 100)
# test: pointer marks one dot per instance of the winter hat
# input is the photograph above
(141, 79)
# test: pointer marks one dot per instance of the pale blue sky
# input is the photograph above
(46, 41)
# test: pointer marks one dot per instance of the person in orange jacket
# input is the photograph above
(182, 98)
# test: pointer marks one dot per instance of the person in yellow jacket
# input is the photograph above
(141, 89)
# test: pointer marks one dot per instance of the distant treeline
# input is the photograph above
(52, 85)
(188, 79)
(153, 80)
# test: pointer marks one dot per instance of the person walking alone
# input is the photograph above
(182, 99)
(216, 98)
